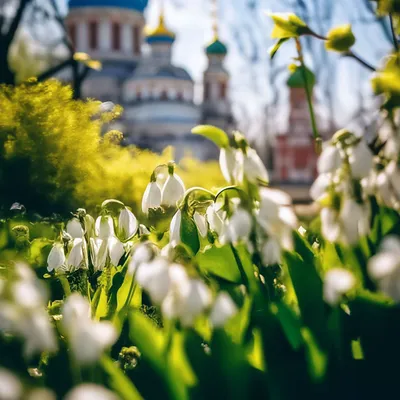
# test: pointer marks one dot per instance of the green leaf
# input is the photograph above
(189, 234)
(119, 382)
(219, 261)
(272, 51)
(217, 135)
(340, 39)
(317, 359)
(290, 324)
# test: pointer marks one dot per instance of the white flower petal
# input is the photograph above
(173, 190)
(175, 228)
(361, 160)
(201, 223)
(254, 168)
(74, 228)
(151, 197)
(127, 224)
(105, 227)
(224, 308)
(90, 391)
(329, 160)
(337, 282)
(56, 257)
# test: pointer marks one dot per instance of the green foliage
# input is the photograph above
(340, 39)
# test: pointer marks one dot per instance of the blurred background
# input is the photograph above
(173, 64)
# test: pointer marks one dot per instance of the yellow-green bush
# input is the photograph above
(54, 159)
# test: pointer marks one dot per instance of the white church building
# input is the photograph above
(157, 96)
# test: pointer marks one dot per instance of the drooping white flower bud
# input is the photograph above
(320, 185)
(393, 174)
(115, 250)
(231, 164)
(201, 223)
(56, 258)
(330, 225)
(253, 167)
(172, 191)
(361, 160)
(142, 253)
(74, 228)
(214, 220)
(224, 308)
(355, 220)
(10, 386)
(337, 282)
(151, 197)
(90, 391)
(105, 227)
(271, 252)
(127, 224)
(329, 160)
(238, 227)
(175, 228)
(76, 257)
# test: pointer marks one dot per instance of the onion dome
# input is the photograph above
(216, 47)
(134, 5)
(296, 78)
(160, 34)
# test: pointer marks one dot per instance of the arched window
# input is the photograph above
(136, 39)
(223, 89)
(93, 35)
(116, 36)
(207, 90)
(72, 33)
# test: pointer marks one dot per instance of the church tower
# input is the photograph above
(216, 106)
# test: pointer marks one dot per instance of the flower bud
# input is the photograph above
(127, 224)
(56, 258)
(271, 252)
(105, 227)
(319, 187)
(76, 259)
(10, 386)
(74, 228)
(231, 164)
(337, 282)
(175, 228)
(224, 308)
(355, 220)
(340, 39)
(287, 25)
(329, 160)
(86, 391)
(330, 226)
(151, 197)
(201, 223)
(361, 160)
(239, 227)
(253, 167)
(172, 191)
(214, 220)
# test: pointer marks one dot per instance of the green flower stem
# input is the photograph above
(65, 285)
(316, 135)
(169, 340)
(225, 189)
(351, 54)
(240, 266)
(195, 189)
(394, 36)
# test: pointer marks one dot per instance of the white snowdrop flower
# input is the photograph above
(330, 225)
(56, 258)
(393, 174)
(320, 186)
(355, 220)
(223, 309)
(151, 197)
(361, 160)
(29, 294)
(337, 282)
(384, 267)
(154, 278)
(98, 253)
(270, 203)
(271, 252)
(88, 338)
(384, 190)
(215, 221)
(142, 253)
(238, 226)
(74, 228)
(253, 167)
(172, 191)
(198, 298)
(175, 228)
(10, 386)
(115, 250)
(76, 257)
(90, 391)
(105, 227)
(143, 230)
(127, 224)
(231, 162)
(201, 223)
(329, 160)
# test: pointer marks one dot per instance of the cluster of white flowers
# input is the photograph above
(180, 296)
(23, 301)
(88, 338)
(107, 245)
(342, 188)
(163, 192)
(384, 267)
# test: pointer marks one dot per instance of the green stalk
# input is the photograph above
(316, 135)
(240, 266)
